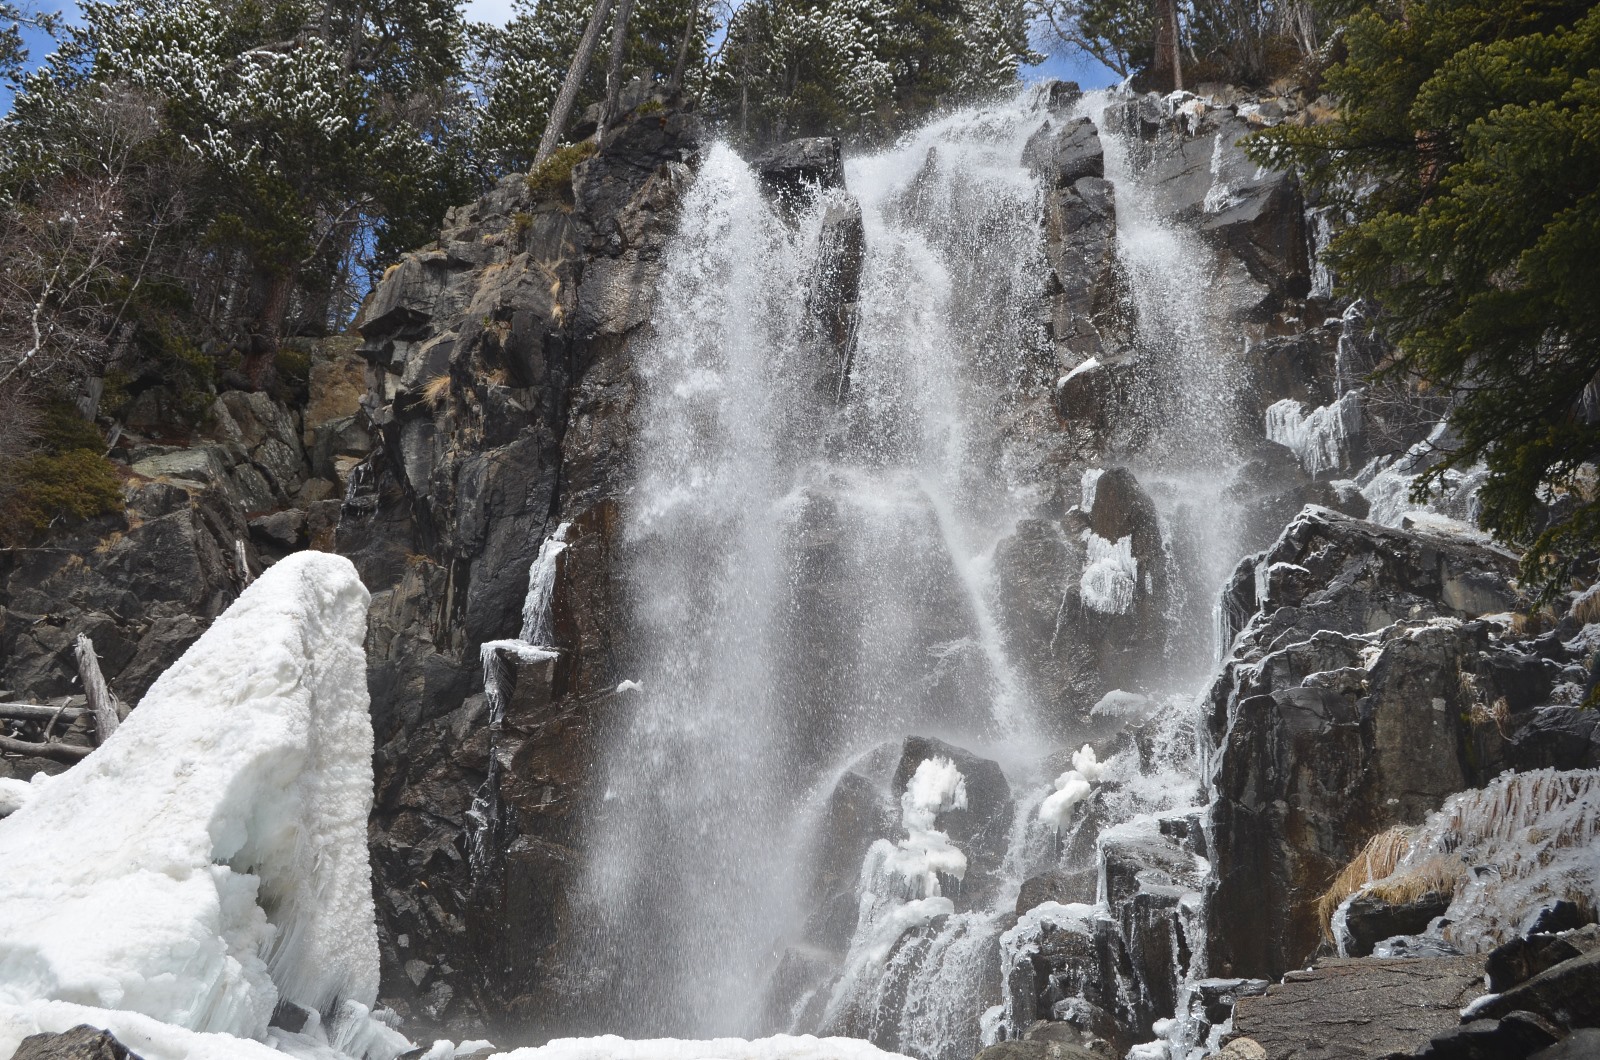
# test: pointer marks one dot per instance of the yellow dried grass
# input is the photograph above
(437, 389)
(1376, 860)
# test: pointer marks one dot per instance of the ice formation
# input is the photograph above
(778, 1047)
(1320, 438)
(1110, 575)
(1090, 485)
(935, 787)
(1072, 787)
(541, 585)
(210, 860)
(1090, 365)
(14, 795)
(1523, 841)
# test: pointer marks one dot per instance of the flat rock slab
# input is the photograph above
(1359, 1009)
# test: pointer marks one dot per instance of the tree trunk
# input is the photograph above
(568, 96)
(101, 701)
(619, 49)
(1166, 70)
(268, 331)
(679, 68)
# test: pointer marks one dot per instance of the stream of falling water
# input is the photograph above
(810, 585)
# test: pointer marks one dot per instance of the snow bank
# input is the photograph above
(210, 860)
(778, 1047)
(1110, 575)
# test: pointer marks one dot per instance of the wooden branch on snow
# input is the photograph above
(59, 752)
(101, 701)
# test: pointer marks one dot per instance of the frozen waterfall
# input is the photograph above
(812, 580)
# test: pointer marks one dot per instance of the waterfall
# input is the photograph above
(811, 581)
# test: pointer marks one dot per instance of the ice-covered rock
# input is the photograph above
(209, 862)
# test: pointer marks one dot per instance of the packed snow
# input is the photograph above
(210, 860)
(1110, 575)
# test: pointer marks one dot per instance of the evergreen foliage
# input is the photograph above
(1467, 154)
(861, 66)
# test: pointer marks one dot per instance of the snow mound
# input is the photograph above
(778, 1047)
(210, 860)
(936, 786)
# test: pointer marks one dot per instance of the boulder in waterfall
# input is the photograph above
(799, 168)
(981, 829)
(1061, 154)
(1153, 879)
(1086, 305)
(858, 814)
(225, 820)
(835, 290)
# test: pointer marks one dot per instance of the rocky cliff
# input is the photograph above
(483, 431)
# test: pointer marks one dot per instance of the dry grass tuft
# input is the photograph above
(436, 390)
(1376, 860)
(1440, 874)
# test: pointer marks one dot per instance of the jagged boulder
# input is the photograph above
(1360, 693)
(82, 1042)
(794, 170)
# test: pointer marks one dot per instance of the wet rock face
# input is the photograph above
(793, 170)
(500, 393)
(1360, 693)
(1360, 1008)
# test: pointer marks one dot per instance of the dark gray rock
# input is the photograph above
(80, 1043)
(1567, 994)
(1370, 920)
(794, 170)
(1062, 154)
(1523, 958)
(1582, 1044)
(1360, 1009)
(1508, 1039)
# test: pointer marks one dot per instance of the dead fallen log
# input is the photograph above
(56, 752)
(36, 712)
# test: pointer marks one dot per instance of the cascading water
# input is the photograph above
(811, 583)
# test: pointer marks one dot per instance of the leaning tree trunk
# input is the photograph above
(619, 49)
(678, 68)
(568, 96)
(1166, 71)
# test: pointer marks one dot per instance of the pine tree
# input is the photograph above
(1467, 153)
